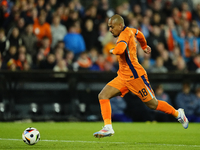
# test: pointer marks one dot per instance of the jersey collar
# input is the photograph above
(124, 28)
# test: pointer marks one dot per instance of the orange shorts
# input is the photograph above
(139, 86)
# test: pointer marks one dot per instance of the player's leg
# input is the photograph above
(161, 106)
(164, 106)
(168, 109)
(141, 87)
(112, 89)
(104, 99)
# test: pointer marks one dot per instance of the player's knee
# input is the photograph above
(152, 104)
(102, 96)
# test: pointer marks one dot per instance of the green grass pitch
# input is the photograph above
(79, 135)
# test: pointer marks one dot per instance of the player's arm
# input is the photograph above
(119, 49)
(141, 39)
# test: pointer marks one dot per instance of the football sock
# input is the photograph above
(109, 126)
(105, 110)
(166, 108)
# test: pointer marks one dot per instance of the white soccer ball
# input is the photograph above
(31, 136)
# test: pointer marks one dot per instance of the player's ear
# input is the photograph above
(121, 27)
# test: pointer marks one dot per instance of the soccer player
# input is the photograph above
(131, 77)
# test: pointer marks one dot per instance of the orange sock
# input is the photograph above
(166, 108)
(105, 110)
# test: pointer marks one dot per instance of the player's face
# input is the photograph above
(114, 28)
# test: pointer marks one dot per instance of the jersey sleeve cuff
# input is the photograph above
(144, 47)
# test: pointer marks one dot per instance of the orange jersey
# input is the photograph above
(126, 52)
(42, 30)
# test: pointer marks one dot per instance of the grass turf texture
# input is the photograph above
(75, 136)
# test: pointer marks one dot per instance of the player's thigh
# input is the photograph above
(108, 92)
(116, 87)
(142, 88)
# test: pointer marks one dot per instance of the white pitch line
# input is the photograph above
(168, 144)
(67, 141)
(136, 143)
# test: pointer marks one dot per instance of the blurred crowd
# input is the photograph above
(187, 99)
(67, 35)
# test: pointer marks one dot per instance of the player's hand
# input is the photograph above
(111, 50)
(147, 50)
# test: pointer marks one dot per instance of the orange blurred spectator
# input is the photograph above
(84, 61)
(46, 45)
(4, 7)
(21, 61)
(168, 33)
(101, 62)
(11, 65)
(194, 63)
(41, 28)
(110, 45)
(185, 13)
(65, 14)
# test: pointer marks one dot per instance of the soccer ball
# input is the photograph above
(31, 136)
